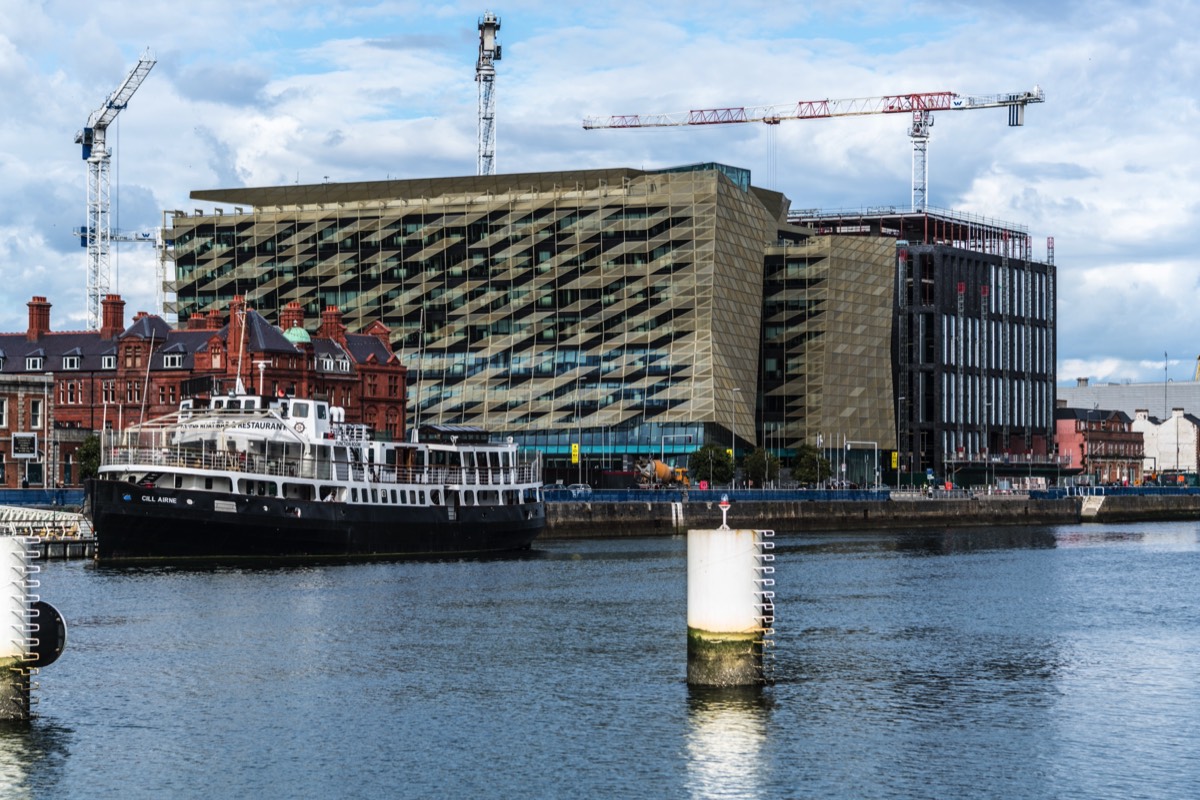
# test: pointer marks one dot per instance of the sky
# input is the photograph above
(289, 91)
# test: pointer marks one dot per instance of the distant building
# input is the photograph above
(974, 338)
(1171, 445)
(1158, 399)
(64, 385)
(1099, 446)
(26, 423)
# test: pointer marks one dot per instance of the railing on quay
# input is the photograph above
(41, 497)
(563, 495)
(1059, 492)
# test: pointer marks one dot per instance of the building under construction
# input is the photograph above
(974, 341)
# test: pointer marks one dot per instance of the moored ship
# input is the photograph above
(251, 477)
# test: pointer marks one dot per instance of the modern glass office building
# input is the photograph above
(633, 313)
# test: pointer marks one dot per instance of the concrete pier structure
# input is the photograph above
(730, 606)
(16, 599)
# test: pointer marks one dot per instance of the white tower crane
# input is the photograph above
(93, 138)
(921, 105)
(485, 76)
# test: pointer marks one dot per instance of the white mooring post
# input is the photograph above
(16, 583)
(731, 606)
(32, 633)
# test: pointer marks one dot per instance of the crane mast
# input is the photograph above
(485, 76)
(920, 105)
(93, 139)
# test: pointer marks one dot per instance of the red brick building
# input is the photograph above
(57, 388)
(1102, 443)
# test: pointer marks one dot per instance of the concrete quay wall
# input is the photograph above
(583, 519)
(1142, 508)
(634, 518)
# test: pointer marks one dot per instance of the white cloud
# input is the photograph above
(287, 90)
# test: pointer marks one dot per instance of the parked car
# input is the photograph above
(579, 489)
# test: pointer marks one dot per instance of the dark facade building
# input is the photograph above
(56, 388)
(974, 343)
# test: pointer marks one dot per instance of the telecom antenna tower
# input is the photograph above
(93, 138)
(485, 76)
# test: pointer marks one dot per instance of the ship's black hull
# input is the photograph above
(134, 523)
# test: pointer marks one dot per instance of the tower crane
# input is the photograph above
(920, 105)
(485, 76)
(93, 139)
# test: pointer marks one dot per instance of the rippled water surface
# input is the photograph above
(999, 663)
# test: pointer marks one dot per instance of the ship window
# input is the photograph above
(208, 483)
(421, 497)
(299, 409)
(374, 495)
(393, 495)
(354, 494)
(178, 481)
(468, 498)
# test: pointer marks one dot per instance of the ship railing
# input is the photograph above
(319, 469)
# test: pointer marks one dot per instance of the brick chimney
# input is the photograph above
(112, 316)
(39, 319)
(331, 325)
(292, 316)
(197, 322)
(214, 320)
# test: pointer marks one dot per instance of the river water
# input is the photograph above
(995, 663)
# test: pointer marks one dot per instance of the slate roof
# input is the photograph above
(1092, 414)
(261, 337)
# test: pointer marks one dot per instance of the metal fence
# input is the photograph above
(563, 495)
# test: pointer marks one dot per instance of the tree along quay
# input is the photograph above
(603, 517)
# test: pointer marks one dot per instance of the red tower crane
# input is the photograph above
(920, 105)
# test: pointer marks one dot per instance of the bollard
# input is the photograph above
(32, 634)
(730, 607)
(15, 602)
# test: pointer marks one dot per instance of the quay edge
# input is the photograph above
(586, 519)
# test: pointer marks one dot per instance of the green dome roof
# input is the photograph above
(297, 335)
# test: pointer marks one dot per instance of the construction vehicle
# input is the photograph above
(656, 474)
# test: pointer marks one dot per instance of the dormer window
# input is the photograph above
(327, 364)
(1, 362)
(108, 362)
(172, 361)
(70, 362)
(33, 363)
(343, 365)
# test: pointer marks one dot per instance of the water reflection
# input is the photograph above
(969, 540)
(269, 564)
(31, 754)
(725, 740)
(923, 541)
